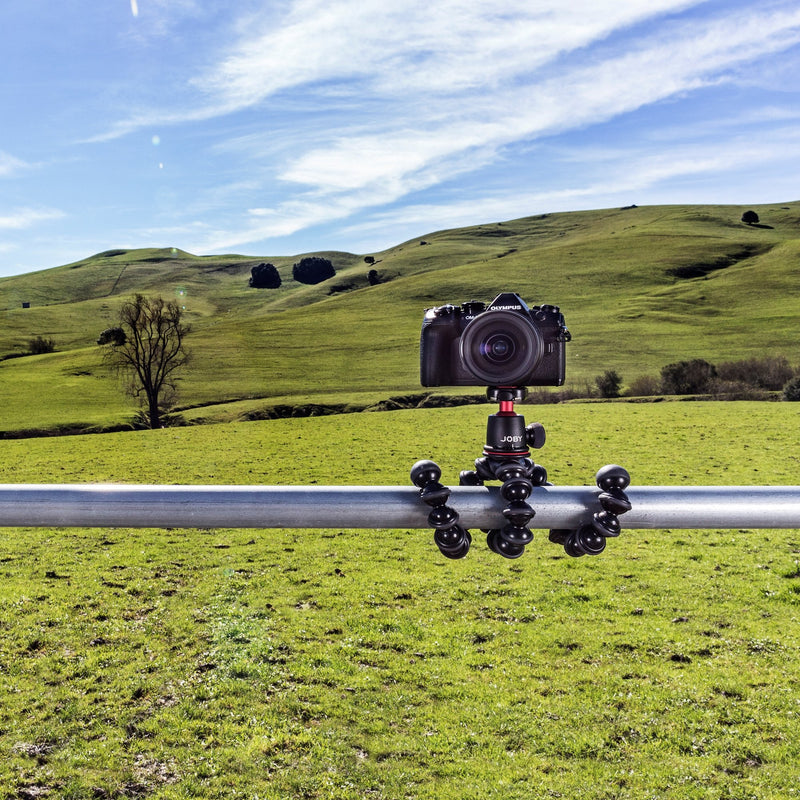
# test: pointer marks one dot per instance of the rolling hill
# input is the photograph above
(640, 287)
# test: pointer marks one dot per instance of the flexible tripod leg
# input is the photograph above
(519, 476)
(451, 539)
(590, 539)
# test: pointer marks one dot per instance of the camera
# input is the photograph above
(503, 344)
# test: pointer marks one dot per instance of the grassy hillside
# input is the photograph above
(640, 287)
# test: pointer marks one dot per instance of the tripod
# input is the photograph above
(506, 457)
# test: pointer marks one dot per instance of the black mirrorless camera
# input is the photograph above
(502, 344)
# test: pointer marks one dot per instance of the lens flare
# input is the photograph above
(134, 8)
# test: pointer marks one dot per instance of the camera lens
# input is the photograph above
(501, 348)
(498, 348)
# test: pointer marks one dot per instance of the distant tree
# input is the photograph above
(373, 277)
(687, 377)
(39, 345)
(150, 352)
(369, 259)
(609, 383)
(750, 217)
(312, 270)
(265, 276)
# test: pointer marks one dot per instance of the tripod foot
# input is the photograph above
(499, 544)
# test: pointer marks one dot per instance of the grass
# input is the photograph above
(352, 664)
(613, 272)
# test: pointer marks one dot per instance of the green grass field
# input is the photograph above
(355, 664)
(640, 288)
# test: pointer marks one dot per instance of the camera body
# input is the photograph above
(502, 344)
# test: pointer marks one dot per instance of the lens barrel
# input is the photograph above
(501, 348)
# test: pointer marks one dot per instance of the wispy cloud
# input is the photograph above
(9, 164)
(654, 69)
(439, 49)
(28, 217)
(606, 175)
(419, 94)
(415, 54)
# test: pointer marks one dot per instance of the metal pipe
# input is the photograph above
(142, 506)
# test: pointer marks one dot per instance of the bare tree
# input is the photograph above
(150, 351)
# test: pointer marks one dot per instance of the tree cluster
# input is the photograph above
(745, 379)
(39, 345)
(310, 271)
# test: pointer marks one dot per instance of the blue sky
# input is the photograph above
(271, 127)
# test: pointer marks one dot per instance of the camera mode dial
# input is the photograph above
(473, 308)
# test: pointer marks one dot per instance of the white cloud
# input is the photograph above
(28, 217)
(9, 164)
(440, 49)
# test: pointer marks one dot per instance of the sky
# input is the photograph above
(279, 127)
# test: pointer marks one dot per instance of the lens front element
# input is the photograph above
(501, 348)
(498, 348)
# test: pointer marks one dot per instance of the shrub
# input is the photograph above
(737, 390)
(608, 384)
(313, 270)
(40, 345)
(342, 287)
(373, 277)
(687, 377)
(792, 390)
(768, 372)
(113, 336)
(265, 276)
(644, 386)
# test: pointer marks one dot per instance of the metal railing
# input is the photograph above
(150, 506)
